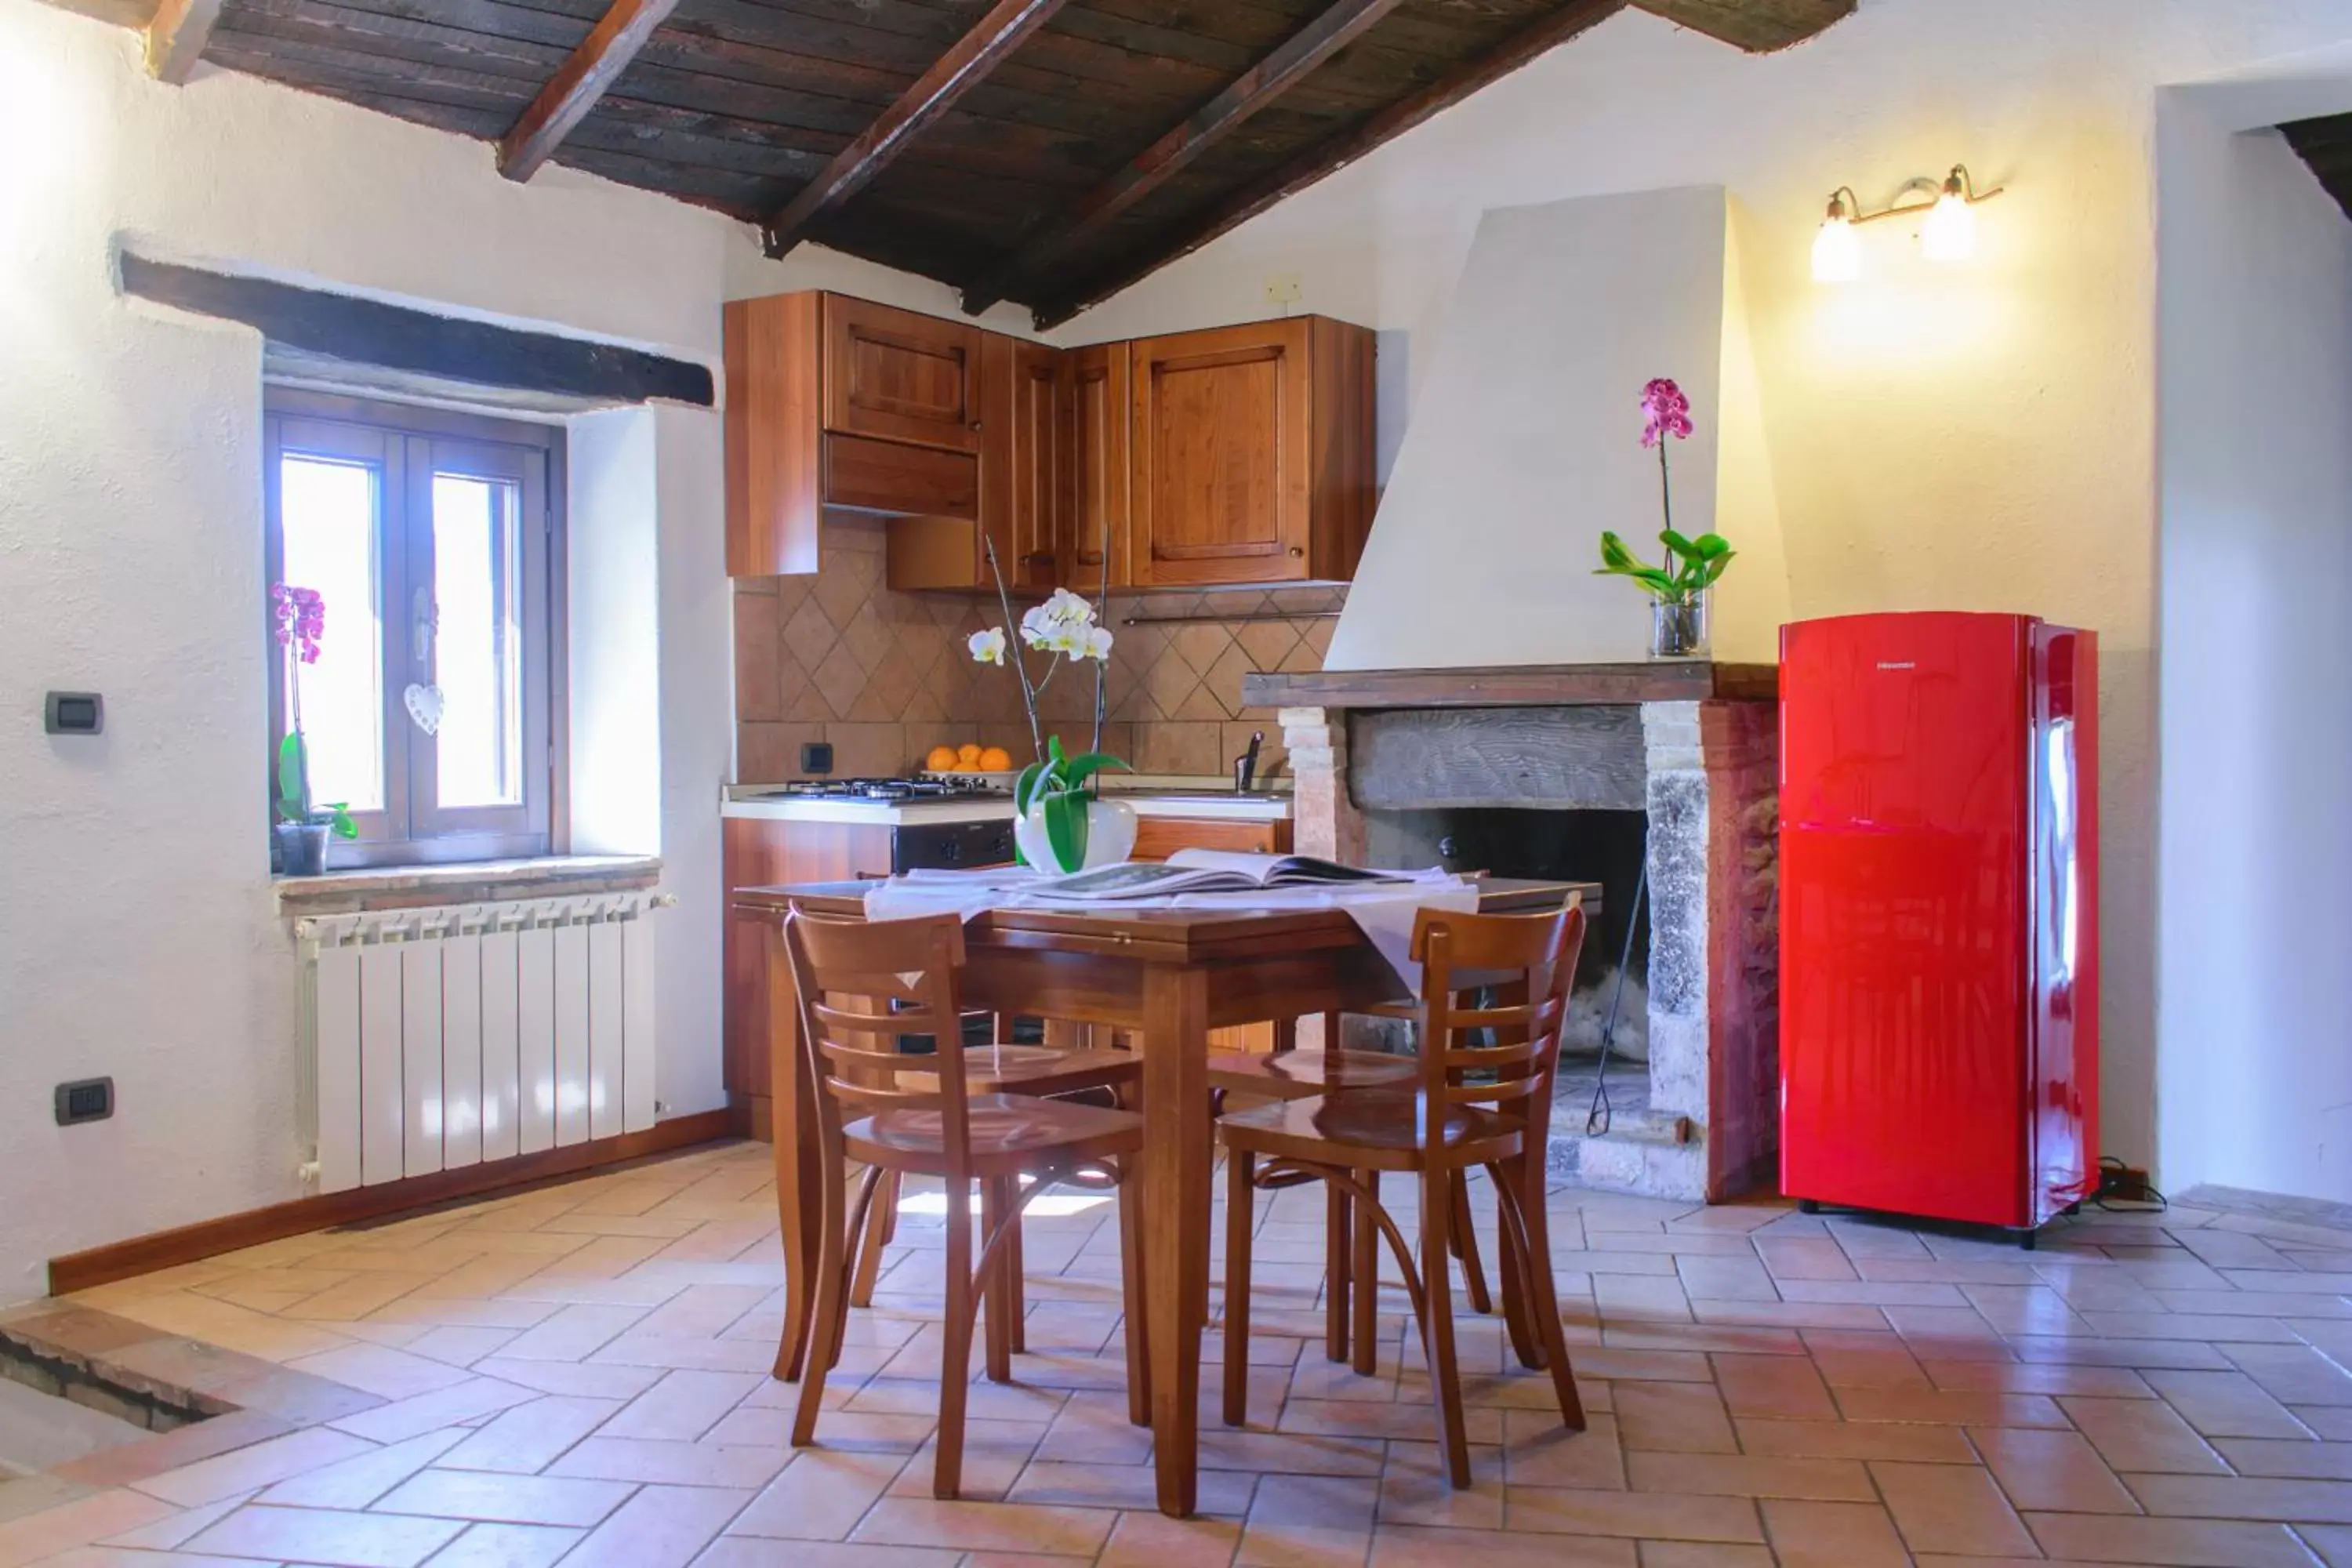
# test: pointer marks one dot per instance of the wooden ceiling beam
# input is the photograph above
(980, 51)
(576, 86)
(1572, 18)
(177, 35)
(1339, 24)
(1758, 27)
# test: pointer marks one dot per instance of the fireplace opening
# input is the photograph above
(1576, 845)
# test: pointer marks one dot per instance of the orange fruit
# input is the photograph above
(968, 755)
(995, 760)
(942, 760)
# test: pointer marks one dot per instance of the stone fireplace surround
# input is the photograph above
(1694, 744)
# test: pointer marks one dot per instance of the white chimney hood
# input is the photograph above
(1524, 442)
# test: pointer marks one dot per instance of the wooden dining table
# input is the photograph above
(1167, 977)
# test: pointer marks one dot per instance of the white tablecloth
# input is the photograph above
(1383, 911)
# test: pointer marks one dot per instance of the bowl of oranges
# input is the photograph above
(968, 760)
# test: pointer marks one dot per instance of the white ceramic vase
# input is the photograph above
(1110, 837)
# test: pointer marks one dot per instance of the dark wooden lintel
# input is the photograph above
(1518, 686)
(576, 86)
(1573, 16)
(1339, 24)
(980, 51)
(369, 331)
(177, 37)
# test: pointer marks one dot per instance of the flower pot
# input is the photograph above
(1678, 628)
(1109, 837)
(301, 846)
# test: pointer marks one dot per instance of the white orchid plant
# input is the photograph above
(1068, 628)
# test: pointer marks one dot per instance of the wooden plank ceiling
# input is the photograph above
(1049, 152)
(2327, 145)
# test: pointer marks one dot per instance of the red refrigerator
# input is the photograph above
(1939, 980)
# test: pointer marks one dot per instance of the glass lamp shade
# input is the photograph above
(1950, 231)
(1837, 252)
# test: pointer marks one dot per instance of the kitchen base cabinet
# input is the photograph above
(1158, 837)
(760, 852)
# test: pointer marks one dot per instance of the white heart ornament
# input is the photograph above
(425, 705)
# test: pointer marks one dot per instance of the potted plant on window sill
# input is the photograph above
(1061, 823)
(299, 836)
(1682, 590)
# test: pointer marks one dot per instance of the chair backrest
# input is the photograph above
(1514, 1064)
(861, 985)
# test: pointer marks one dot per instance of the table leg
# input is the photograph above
(1177, 1155)
(800, 1175)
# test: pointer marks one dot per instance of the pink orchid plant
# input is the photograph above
(1692, 564)
(300, 617)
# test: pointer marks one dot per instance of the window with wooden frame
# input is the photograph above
(433, 712)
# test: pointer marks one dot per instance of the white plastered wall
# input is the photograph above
(2255, 286)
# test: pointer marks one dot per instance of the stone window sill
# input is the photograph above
(480, 882)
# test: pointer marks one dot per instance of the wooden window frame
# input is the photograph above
(408, 444)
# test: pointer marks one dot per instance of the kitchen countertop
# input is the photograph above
(1151, 795)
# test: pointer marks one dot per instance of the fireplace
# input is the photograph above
(1657, 773)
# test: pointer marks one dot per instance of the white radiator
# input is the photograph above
(443, 1038)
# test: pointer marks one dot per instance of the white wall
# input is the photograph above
(138, 933)
(2255, 1087)
(1980, 437)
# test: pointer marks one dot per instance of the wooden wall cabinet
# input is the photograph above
(1252, 454)
(1232, 455)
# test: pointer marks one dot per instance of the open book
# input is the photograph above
(1208, 871)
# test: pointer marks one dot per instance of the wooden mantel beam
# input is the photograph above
(1759, 27)
(1339, 24)
(177, 35)
(989, 42)
(574, 90)
(1573, 16)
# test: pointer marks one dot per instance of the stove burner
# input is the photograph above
(895, 790)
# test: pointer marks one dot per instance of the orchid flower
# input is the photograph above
(301, 617)
(1664, 412)
(988, 646)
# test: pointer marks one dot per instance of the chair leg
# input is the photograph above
(1437, 1319)
(1543, 1300)
(1364, 1282)
(832, 1310)
(996, 1293)
(1339, 1223)
(1241, 1189)
(880, 1226)
(1131, 1268)
(1515, 1268)
(1017, 1311)
(955, 1354)
(1465, 1248)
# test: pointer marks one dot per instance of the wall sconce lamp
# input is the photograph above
(1950, 233)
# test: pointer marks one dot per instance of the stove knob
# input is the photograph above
(951, 852)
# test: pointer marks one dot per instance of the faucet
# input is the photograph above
(1245, 765)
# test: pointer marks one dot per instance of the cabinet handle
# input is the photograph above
(1296, 551)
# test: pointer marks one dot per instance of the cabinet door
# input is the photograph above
(1040, 466)
(898, 376)
(1221, 481)
(1100, 411)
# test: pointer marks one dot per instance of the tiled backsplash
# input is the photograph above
(884, 677)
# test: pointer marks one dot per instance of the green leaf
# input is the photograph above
(1715, 567)
(1053, 750)
(1066, 829)
(1676, 544)
(1711, 545)
(293, 776)
(1614, 556)
(1081, 769)
(1030, 777)
(340, 820)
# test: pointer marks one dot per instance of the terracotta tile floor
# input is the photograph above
(579, 1374)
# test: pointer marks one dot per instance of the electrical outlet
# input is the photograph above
(91, 1099)
(1283, 289)
(816, 757)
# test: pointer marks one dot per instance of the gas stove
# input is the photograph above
(895, 792)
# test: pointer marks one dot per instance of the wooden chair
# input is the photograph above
(902, 1115)
(1476, 1105)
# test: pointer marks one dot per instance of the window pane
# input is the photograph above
(327, 520)
(477, 588)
